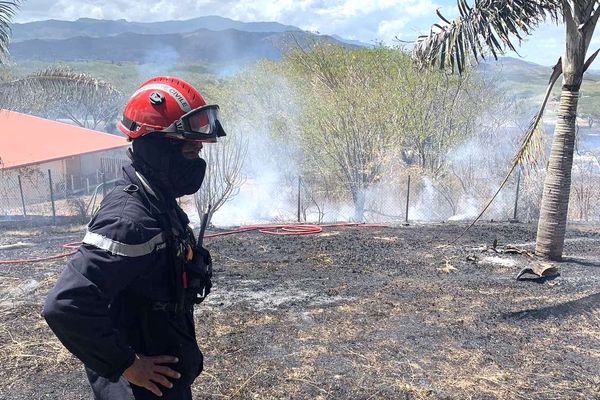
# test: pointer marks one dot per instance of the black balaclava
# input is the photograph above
(161, 162)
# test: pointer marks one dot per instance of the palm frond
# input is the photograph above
(52, 87)
(489, 25)
(7, 12)
(531, 147)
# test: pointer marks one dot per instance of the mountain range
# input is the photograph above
(57, 29)
(209, 39)
(221, 44)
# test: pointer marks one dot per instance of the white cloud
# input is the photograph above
(421, 8)
(388, 30)
(365, 20)
(356, 19)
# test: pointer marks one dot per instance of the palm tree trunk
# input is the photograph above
(580, 22)
(557, 186)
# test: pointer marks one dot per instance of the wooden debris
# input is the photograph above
(508, 249)
(540, 270)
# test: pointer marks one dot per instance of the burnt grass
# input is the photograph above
(351, 313)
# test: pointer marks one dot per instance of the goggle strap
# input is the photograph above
(220, 130)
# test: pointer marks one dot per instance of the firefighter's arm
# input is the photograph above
(115, 253)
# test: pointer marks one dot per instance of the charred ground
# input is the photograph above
(364, 313)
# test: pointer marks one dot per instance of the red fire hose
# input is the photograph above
(299, 229)
(32, 260)
(269, 229)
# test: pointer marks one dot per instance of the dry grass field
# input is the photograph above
(351, 313)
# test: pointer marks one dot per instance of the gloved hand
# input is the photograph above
(199, 275)
(204, 254)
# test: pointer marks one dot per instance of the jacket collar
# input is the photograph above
(154, 197)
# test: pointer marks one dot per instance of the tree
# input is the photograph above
(444, 111)
(46, 88)
(585, 193)
(493, 25)
(224, 176)
(258, 116)
(94, 109)
(367, 114)
(60, 92)
(352, 111)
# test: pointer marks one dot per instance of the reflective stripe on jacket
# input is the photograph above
(100, 307)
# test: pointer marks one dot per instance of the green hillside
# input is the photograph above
(524, 80)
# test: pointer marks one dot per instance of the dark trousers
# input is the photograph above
(104, 389)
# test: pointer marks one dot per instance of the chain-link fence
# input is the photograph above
(48, 193)
(411, 198)
(51, 196)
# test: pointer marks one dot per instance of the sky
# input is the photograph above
(365, 20)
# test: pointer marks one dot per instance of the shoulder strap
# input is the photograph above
(174, 246)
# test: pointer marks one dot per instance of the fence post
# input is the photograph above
(87, 185)
(103, 175)
(22, 197)
(517, 195)
(52, 197)
(66, 186)
(72, 183)
(299, 185)
(407, 200)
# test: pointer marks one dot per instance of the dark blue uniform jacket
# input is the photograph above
(105, 306)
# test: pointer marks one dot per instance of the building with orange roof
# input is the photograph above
(35, 151)
(27, 140)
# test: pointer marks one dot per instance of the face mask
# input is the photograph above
(186, 176)
(162, 163)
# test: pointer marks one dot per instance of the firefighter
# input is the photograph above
(124, 303)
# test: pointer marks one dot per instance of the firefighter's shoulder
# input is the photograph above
(124, 226)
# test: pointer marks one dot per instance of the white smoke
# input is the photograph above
(159, 61)
(270, 167)
(468, 209)
(423, 204)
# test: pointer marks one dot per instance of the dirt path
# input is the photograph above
(350, 313)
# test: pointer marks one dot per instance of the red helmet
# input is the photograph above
(173, 107)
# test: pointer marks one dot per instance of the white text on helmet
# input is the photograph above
(185, 106)
(175, 94)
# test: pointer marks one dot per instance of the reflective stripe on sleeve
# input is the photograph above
(123, 249)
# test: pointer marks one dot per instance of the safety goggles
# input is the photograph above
(201, 124)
